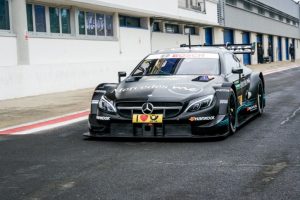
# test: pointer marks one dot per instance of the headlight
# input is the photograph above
(200, 104)
(107, 105)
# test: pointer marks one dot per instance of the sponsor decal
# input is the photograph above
(223, 90)
(147, 118)
(103, 118)
(100, 91)
(183, 55)
(185, 88)
(195, 119)
(178, 89)
(128, 89)
(252, 108)
(223, 101)
(95, 101)
(245, 82)
(242, 84)
(240, 99)
(164, 78)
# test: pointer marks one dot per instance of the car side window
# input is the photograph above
(230, 62)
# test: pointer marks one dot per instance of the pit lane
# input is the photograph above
(261, 161)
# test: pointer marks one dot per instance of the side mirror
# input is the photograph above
(121, 74)
(237, 71)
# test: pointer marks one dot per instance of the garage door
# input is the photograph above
(246, 40)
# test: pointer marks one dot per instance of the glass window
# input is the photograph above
(40, 19)
(100, 24)
(178, 66)
(133, 22)
(65, 21)
(191, 29)
(230, 63)
(90, 23)
(54, 20)
(4, 15)
(109, 25)
(205, 66)
(261, 11)
(288, 21)
(280, 18)
(156, 27)
(97, 24)
(247, 6)
(122, 21)
(29, 17)
(81, 21)
(126, 21)
(172, 28)
(232, 2)
(272, 15)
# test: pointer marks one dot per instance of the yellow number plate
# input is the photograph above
(148, 119)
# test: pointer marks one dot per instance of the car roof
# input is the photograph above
(192, 50)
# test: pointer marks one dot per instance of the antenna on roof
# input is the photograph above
(188, 31)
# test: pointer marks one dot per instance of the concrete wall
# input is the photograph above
(165, 8)
(133, 44)
(218, 35)
(275, 47)
(297, 47)
(287, 6)
(238, 39)
(167, 40)
(8, 51)
(253, 22)
(283, 49)
(61, 65)
(265, 44)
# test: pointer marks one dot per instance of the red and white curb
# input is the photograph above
(45, 124)
(71, 118)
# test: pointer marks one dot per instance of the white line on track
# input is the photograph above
(290, 117)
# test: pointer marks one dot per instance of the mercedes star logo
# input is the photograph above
(147, 108)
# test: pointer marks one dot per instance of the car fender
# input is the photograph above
(222, 96)
(254, 80)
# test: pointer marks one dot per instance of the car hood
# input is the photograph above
(163, 88)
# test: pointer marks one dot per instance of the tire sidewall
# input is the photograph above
(231, 126)
(259, 101)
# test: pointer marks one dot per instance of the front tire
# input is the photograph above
(259, 98)
(232, 113)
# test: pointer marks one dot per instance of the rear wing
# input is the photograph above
(234, 48)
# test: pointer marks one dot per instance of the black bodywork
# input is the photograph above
(172, 95)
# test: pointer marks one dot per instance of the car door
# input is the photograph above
(241, 82)
(244, 82)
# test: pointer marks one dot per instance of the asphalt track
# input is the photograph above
(261, 161)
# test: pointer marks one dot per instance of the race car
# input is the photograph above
(195, 92)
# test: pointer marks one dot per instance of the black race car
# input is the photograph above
(184, 92)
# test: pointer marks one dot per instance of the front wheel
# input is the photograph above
(232, 113)
(259, 98)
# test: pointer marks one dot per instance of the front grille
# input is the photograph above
(168, 109)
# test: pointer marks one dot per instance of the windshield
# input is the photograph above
(179, 64)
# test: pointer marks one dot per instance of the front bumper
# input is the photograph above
(175, 128)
